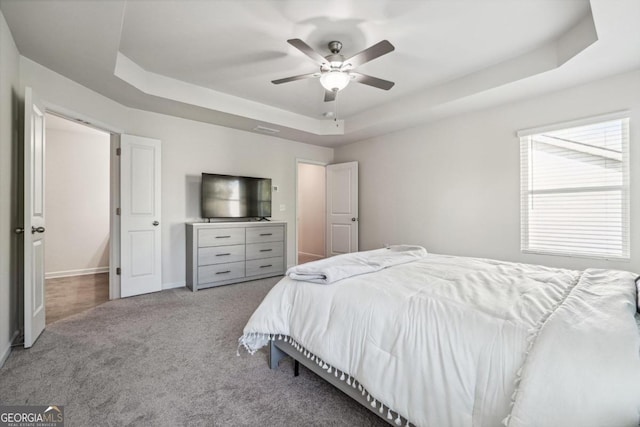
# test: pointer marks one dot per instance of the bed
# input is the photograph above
(433, 340)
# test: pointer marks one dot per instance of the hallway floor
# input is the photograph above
(304, 257)
(67, 296)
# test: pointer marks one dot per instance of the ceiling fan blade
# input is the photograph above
(372, 81)
(294, 78)
(330, 95)
(369, 54)
(307, 50)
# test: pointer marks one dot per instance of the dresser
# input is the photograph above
(221, 253)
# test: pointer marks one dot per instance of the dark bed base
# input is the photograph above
(278, 349)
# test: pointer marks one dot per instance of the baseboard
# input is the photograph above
(7, 350)
(5, 353)
(312, 255)
(81, 272)
(173, 285)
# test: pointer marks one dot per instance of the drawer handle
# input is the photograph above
(222, 254)
(222, 237)
(266, 250)
(266, 234)
(223, 272)
(265, 266)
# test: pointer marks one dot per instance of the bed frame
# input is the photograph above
(279, 349)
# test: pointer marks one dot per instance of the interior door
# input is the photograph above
(34, 226)
(342, 208)
(140, 231)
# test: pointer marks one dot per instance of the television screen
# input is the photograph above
(226, 196)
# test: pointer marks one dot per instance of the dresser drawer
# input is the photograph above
(220, 254)
(265, 234)
(257, 267)
(220, 272)
(220, 236)
(265, 250)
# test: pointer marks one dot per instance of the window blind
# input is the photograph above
(575, 190)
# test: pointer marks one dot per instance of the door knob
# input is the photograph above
(37, 230)
(156, 223)
(19, 230)
(353, 219)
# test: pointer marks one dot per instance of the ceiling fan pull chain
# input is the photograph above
(335, 114)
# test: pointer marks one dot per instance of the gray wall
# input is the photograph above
(454, 185)
(8, 175)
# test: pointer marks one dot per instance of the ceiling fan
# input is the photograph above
(336, 72)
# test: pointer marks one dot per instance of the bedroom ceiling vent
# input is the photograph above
(266, 130)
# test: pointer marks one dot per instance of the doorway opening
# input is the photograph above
(77, 205)
(311, 211)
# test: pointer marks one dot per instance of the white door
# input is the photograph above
(34, 291)
(342, 208)
(140, 231)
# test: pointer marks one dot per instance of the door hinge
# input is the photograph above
(118, 151)
(117, 211)
(118, 271)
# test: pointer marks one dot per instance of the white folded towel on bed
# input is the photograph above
(340, 267)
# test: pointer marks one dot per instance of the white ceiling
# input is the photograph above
(213, 60)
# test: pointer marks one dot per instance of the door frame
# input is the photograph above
(114, 183)
(309, 162)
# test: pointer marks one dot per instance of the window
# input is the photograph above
(575, 189)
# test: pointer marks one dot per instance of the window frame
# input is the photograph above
(625, 187)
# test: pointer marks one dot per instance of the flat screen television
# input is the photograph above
(227, 196)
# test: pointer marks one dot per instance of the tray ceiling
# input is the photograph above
(214, 60)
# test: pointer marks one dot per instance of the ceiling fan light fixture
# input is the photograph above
(334, 80)
(336, 71)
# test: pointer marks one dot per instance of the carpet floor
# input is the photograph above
(169, 359)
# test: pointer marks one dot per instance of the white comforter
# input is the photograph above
(448, 341)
